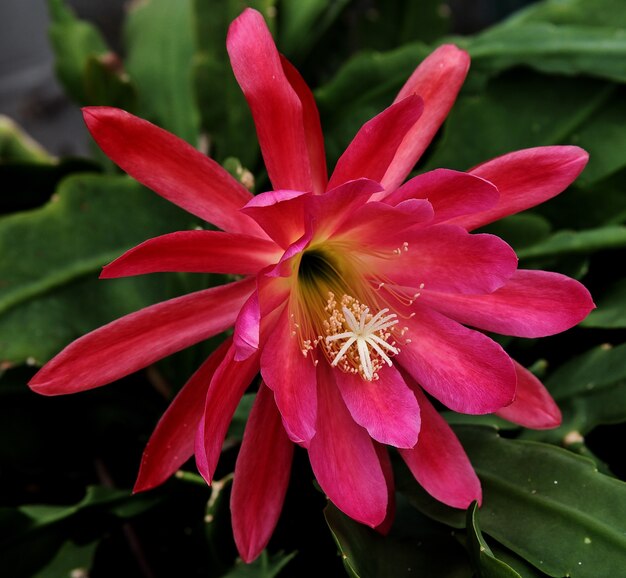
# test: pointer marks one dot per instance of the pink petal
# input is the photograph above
(292, 378)
(439, 462)
(526, 178)
(312, 126)
(385, 463)
(171, 167)
(530, 304)
(261, 477)
(344, 459)
(374, 146)
(141, 338)
(195, 252)
(446, 258)
(462, 368)
(171, 443)
(533, 406)
(386, 407)
(437, 80)
(246, 333)
(275, 105)
(229, 382)
(451, 193)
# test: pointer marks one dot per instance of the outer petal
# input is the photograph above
(344, 459)
(385, 463)
(464, 369)
(445, 258)
(196, 252)
(533, 406)
(292, 377)
(437, 80)
(141, 338)
(530, 304)
(228, 385)
(275, 105)
(526, 178)
(376, 143)
(261, 477)
(386, 408)
(451, 193)
(171, 443)
(171, 167)
(439, 462)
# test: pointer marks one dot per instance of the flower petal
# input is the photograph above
(385, 463)
(275, 105)
(437, 80)
(533, 406)
(195, 252)
(376, 143)
(344, 459)
(261, 477)
(171, 167)
(292, 378)
(141, 338)
(530, 304)
(526, 178)
(171, 443)
(386, 407)
(439, 462)
(462, 368)
(229, 382)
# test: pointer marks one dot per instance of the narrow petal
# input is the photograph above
(446, 258)
(374, 146)
(464, 369)
(141, 338)
(171, 443)
(439, 462)
(292, 378)
(386, 407)
(261, 477)
(533, 406)
(437, 80)
(247, 328)
(229, 382)
(526, 178)
(451, 193)
(275, 105)
(385, 463)
(312, 126)
(171, 167)
(344, 459)
(195, 252)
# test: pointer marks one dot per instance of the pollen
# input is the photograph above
(356, 340)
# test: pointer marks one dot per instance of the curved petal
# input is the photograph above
(292, 378)
(386, 407)
(229, 382)
(533, 406)
(344, 459)
(141, 338)
(275, 106)
(437, 80)
(464, 369)
(195, 252)
(526, 178)
(451, 193)
(261, 477)
(385, 463)
(171, 167)
(171, 443)
(446, 258)
(439, 462)
(530, 304)
(374, 146)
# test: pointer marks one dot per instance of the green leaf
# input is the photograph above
(107, 84)
(49, 291)
(17, 146)
(520, 231)
(611, 311)
(601, 13)
(263, 567)
(71, 560)
(160, 47)
(74, 42)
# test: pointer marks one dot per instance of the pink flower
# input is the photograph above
(354, 298)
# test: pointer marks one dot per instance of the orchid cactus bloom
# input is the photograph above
(355, 296)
